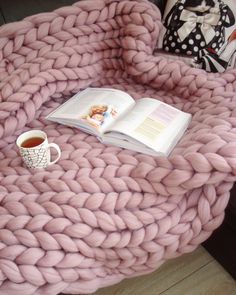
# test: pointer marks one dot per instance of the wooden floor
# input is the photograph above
(196, 273)
(192, 274)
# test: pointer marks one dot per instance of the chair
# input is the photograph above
(102, 214)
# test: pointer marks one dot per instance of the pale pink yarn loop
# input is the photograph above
(102, 214)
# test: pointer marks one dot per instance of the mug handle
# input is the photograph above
(56, 147)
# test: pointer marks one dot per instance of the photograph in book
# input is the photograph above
(99, 116)
(146, 125)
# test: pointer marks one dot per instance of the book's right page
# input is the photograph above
(153, 123)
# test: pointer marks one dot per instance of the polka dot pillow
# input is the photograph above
(203, 29)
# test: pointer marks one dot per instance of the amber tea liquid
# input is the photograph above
(32, 142)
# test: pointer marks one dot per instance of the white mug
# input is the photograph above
(35, 149)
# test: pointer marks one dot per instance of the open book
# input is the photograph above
(146, 125)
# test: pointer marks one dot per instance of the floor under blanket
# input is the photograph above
(197, 271)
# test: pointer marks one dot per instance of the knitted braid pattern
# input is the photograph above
(102, 213)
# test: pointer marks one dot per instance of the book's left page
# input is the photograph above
(93, 110)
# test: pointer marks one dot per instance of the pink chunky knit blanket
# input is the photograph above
(102, 213)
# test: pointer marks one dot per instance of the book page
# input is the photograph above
(125, 141)
(95, 108)
(152, 123)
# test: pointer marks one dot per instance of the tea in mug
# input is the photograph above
(32, 142)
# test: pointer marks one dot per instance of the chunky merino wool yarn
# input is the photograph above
(102, 213)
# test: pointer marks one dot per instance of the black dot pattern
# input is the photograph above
(195, 41)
